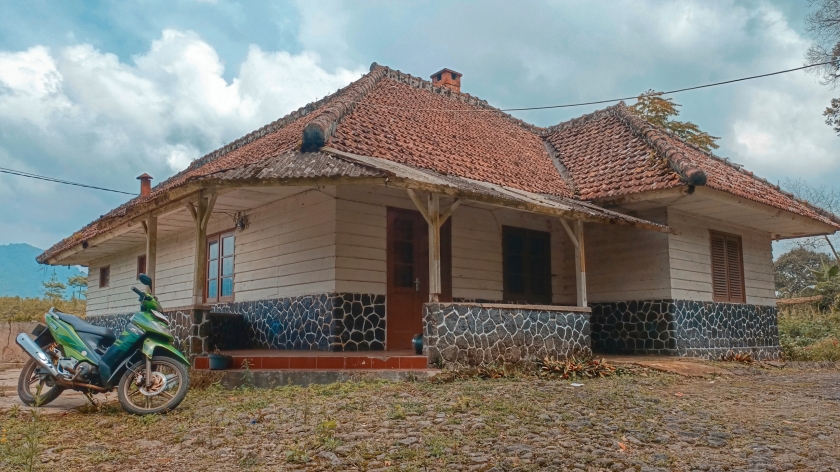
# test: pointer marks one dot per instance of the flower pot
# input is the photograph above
(417, 342)
(219, 361)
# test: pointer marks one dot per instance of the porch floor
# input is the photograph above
(277, 359)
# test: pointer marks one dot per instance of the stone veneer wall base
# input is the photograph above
(685, 328)
(466, 334)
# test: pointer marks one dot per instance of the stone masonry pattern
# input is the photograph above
(463, 334)
(324, 322)
(685, 328)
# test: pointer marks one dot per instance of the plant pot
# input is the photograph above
(219, 361)
(417, 342)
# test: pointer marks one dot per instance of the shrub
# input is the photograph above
(807, 333)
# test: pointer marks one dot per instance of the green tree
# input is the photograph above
(79, 285)
(660, 111)
(53, 289)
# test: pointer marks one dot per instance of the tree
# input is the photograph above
(827, 198)
(796, 270)
(53, 289)
(79, 285)
(660, 111)
(823, 24)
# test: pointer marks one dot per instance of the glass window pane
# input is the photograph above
(227, 286)
(404, 229)
(214, 250)
(227, 246)
(212, 289)
(227, 266)
(403, 276)
(404, 252)
(213, 270)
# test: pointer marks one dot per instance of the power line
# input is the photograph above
(598, 102)
(59, 181)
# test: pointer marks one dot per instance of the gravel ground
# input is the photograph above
(757, 419)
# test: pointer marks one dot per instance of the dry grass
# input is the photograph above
(782, 417)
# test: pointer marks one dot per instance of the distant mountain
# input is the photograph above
(21, 275)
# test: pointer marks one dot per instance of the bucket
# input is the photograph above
(219, 361)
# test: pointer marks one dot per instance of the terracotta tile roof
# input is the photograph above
(613, 152)
(398, 117)
(470, 141)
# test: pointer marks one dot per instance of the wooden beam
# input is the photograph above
(151, 249)
(580, 265)
(419, 204)
(569, 232)
(434, 248)
(201, 216)
(451, 210)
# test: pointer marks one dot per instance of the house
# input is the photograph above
(398, 206)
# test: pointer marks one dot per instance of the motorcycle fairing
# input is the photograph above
(152, 345)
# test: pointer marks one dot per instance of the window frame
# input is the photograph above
(219, 298)
(105, 276)
(141, 265)
(728, 238)
(529, 295)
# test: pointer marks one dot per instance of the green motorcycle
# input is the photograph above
(150, 374)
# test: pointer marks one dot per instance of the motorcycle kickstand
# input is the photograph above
(93, 401)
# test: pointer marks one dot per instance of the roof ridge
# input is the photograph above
(687, 169)
(257, 134)
(580, 120)
(741, 169)
(321, 128)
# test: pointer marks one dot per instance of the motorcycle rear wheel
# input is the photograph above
(27, 387)
(169, 387)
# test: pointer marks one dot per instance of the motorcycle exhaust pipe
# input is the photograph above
(28, 345)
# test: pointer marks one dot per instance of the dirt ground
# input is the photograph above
(755, 418)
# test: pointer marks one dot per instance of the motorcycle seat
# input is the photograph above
(83, 326)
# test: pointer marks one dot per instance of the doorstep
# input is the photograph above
(269, 359)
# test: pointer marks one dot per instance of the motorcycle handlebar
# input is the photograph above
(138, 292)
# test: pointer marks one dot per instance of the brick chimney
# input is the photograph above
(447, 78)
(145, 185)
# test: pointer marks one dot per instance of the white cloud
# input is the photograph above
(82, 114)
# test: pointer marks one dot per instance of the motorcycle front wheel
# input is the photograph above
(169, 385)
(28, 384)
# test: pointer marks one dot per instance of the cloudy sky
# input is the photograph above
(100, 92)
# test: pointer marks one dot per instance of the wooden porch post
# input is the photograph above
(580, 259)
(151, 249)
(434, 219)
(580, 265)
(201, 215)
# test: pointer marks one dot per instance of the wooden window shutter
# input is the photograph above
(727, 268)
(735, 269)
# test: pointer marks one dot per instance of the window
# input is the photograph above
(141, 265)
(454, 77)
(526, 265)
(727, 268)
(219, 268)
(104, 276)
(439, 77)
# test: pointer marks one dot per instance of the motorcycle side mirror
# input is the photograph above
(145, 280)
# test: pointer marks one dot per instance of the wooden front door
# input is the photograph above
(408, 275)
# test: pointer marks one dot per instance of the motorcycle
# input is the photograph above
(150, 375)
